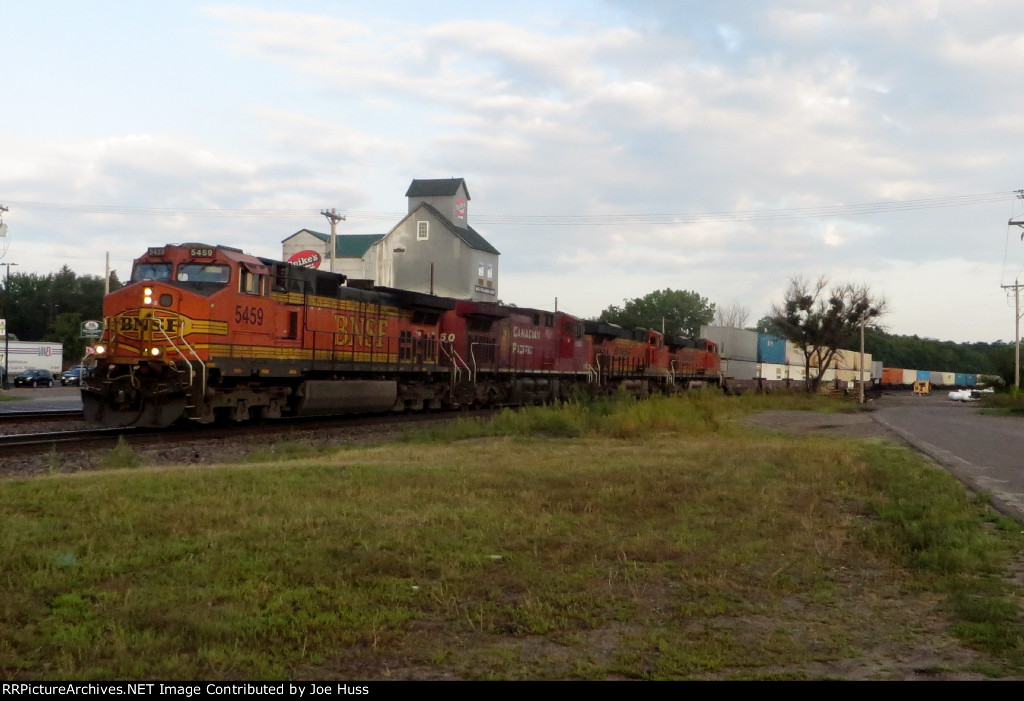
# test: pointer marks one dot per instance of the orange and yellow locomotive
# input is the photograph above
(205, 332)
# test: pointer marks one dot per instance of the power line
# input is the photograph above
(840, 210)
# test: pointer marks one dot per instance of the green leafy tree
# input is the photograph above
(820, 320)
(51, 307)
(681, 311)
(67, 329)
(766, 324)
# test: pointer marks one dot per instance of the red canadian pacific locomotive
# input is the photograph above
(204, 332)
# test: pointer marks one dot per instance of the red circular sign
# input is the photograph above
(306, 259)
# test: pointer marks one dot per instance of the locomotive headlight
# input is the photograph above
(148, 298)
(154, 352)
(100, 349)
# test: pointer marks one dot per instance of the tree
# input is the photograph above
(681, 312)
(766, 324)
(819, 320)
(733, 314)
(52, 307)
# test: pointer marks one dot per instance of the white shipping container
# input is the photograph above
(797, 373)
(909, 376)
(794, 356)
(733, 343)
(739, 369)
(948, 379)
(29, 355)
(771, 371)
(844, 360)
(876, 370)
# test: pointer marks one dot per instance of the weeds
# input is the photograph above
(52, 460)
(648, 540)
(121, 456)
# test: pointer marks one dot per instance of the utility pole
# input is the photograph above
(1016, 330)
(334, 218)
(7, 326)
(1016, 307)
(860, 399)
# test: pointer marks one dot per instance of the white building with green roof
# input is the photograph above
(432, 250)
(350, 251)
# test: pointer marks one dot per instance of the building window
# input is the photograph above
(490, 272)
(422, 230)
(480, 270)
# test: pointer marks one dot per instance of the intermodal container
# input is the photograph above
(739, 369)
(796, 373)
(771, 349)
(794, 356)
(892, 376)
(876, 370)
(771, 371)
(847, 376)
(733, 343)
(948, 379)
(909, 377)
(923, 376)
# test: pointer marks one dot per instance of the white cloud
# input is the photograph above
(601, 109)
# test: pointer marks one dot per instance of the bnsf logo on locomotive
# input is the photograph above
(361, 332)
(133, 324)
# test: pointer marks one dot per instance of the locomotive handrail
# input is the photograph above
(195, 356)
(454, 356)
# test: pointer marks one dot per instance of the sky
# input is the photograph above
(610, 148)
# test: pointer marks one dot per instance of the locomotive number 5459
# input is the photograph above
(249, 315)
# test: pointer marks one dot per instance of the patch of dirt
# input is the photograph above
(812, 423)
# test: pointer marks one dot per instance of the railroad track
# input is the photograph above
(47, 415)
(27, 445)
(20, 443)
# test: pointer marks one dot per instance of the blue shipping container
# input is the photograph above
(964, 379)
(924, 375)
(771, 349)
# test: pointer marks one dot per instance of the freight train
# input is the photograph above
(205, 333)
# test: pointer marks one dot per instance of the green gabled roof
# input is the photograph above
(346, 245)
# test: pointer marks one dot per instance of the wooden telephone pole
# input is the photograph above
(333, 217)
(1016, 306)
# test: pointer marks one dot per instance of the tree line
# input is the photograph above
(817, 317)
(52, 307)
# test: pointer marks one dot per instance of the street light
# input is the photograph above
(7, 329)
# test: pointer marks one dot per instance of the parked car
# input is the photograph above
(34, 378)
(73, 375)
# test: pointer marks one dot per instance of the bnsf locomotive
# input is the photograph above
(205, 332)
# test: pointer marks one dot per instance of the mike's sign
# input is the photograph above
(306, 259)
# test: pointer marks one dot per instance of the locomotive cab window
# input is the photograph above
(250, 282)
(204, 272)
(151, 271)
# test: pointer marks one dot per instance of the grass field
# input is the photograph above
(618, 540)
